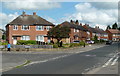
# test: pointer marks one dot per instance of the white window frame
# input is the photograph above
(39, 28)
(40, 38)
(47, 28)
(23, 26)
(15, 27)
(24, 37)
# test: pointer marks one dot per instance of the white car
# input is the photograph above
(90, 42)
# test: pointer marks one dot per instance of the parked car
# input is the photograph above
(109, 42)
(76, 41)
(90, 42)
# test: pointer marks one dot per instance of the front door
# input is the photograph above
(14, 40)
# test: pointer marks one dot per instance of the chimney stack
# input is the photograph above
(34, 13)
(77, 22)
(24, 13)
(71, 21)
(80, 24)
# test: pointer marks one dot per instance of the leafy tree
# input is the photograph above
(119, 28)
(115, 26)
(95, 39)
(3, 37)
(108, 27)
(59, 32)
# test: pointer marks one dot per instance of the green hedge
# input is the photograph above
(74, 44)
(28, 42)
(55, 45)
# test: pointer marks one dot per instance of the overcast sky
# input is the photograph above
(94, 13)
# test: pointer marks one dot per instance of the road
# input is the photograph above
(78, 63)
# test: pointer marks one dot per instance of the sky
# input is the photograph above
(92, 12)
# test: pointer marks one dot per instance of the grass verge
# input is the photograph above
(27, 62)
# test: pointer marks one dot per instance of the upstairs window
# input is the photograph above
(25, 27)
(15, 27)
(47, 28)
(41, 28)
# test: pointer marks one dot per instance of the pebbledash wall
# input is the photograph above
(32, 33)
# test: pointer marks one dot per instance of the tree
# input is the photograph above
(115, 26)
(108, 27)
(3, 37)
(119, 28)
(95, 39)
(59, 32)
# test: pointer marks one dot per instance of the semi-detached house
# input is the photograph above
(78, 32)
(28, 27)
(101, 34)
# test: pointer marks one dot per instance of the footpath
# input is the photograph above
(15, 59)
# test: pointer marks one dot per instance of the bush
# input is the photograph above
(102, 40)
(55, 46)
(30, 42)
(24, 42)
(0, 43)
(74, 44)
(4, 43)
(82, 43)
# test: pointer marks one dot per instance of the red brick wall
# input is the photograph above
(32, 32)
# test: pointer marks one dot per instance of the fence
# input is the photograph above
(28, 46)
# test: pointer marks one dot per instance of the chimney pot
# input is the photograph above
(80, 24)
(34, 13)
(24, 13)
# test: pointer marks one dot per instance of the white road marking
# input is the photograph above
(35, 62)
(108, 62)
(115, 61)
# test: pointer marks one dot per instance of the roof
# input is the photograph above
(91, 29)
(114, 31)
(71, 25)
(101, 31)
(30, 20)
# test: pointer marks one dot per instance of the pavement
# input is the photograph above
(81, 61)
(12, 59)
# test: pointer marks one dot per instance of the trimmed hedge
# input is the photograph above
(55, 45)
(74, 44)
(28, 42)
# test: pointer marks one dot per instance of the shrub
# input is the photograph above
(82, 43)
(0, 43)
(102, 40)
(74, 44)
(4, 43)
(55, 46)
(24, 42)
(30, 42)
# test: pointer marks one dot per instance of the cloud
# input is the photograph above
(105, 5)
(6, 18)
(31, 5)
(88, 13)
(50, 19)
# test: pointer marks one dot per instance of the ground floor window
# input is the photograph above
(40, 38)
(25, 38)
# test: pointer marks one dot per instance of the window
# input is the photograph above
(40, 38)
(15, 27)
(25, 38)
(25, 27)
(47, 28)
(40, 28)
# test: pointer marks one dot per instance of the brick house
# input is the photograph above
(113, 34)
(96, 31)
(92, 31)
(102, 35)
(77, 31)
(28, 27)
